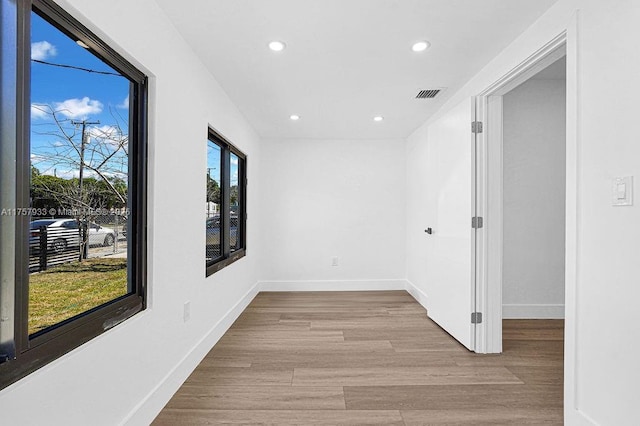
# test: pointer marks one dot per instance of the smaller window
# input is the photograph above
(225, 203)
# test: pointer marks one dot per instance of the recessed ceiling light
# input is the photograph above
(420, 46)
(294, 117)
(378, 118)
(82, 44)
(277, 46)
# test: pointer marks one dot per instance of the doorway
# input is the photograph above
(521, 183)
(534, 193)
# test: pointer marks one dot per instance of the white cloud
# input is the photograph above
(125, 103)
(78, 108)
(111, 135)
(68, 174)
(105, 131)
(42, 50)
(39, 111)
(36, 158)
(65, 174)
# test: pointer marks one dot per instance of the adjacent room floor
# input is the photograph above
(368, 358)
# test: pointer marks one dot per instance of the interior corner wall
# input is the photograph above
(534, 175)
(128, 373)
(603, 63)
(333, 198)
(417, 261)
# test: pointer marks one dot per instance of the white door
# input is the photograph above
(451, 200)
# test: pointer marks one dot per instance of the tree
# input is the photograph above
(34, 171)
(233, 195)
(101, 152)
(213, 191)
(46, 190)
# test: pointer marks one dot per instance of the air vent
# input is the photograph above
(428, 94)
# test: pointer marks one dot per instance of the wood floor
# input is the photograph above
(368, 358)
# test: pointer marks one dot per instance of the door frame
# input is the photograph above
(489, 189)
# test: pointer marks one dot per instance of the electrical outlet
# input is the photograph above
(186, 315)
(334, 261)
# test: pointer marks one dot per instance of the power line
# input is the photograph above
(76, 68)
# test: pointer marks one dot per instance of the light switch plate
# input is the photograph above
(622, 191)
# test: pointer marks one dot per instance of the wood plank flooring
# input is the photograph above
(350, 358)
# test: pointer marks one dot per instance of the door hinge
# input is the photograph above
(476, 317)
(477, 222)
(476, 127)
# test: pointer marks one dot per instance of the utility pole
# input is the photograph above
(82, 227)
(208, 200)
(83, 142)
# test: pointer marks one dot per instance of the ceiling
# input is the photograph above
(346, 61)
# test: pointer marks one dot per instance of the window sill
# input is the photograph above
(215, 267)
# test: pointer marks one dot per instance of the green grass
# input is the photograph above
(70, 289)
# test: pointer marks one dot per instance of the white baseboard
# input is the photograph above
(147, 410)
(532, 311)
(331, 285)
(419, 295)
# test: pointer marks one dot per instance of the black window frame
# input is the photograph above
(22, 354)
(227, 257)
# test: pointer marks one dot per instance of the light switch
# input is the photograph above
(623, 191)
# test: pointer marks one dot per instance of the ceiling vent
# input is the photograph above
(428, 93)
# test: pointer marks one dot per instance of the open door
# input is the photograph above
(451, 200)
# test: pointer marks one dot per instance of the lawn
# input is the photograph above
(70, 289)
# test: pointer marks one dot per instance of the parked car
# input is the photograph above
(101, 235)
(63, 233)
(213, 235)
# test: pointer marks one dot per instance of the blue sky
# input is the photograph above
(74, 95)
(77, 95)
(213, 163)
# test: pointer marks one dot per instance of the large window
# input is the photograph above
(73, 176)
(226, 203)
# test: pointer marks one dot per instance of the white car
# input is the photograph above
(63, 233)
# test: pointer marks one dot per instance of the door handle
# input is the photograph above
(429, 231)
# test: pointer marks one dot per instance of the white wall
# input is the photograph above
(603, 62)
(110, 378)
(534, 135)
(326, 198)
(419, 213)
